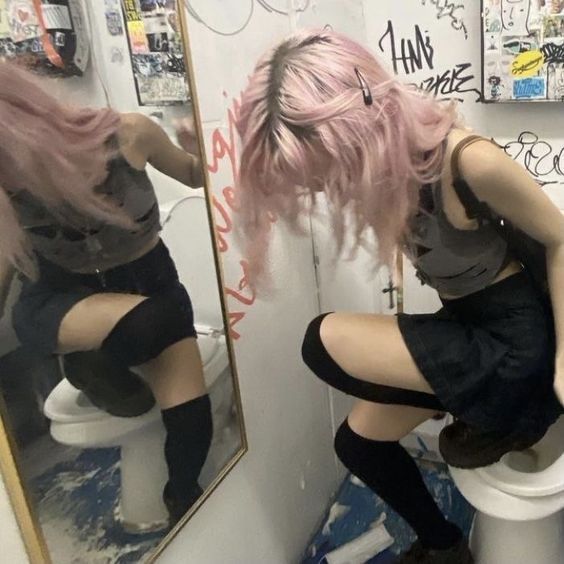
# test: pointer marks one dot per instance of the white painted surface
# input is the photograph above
(269, 506)
(11, 542)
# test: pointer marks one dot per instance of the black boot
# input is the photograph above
(464, 446)
(176, 506)
(108, 385)
(418, 554)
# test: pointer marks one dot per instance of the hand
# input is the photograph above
(186, 136)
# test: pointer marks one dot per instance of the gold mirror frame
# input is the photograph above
(29, 526)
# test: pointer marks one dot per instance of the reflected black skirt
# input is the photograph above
(42, 305)
(489, 356)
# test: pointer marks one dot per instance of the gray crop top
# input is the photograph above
(455, 262)
(97, 246)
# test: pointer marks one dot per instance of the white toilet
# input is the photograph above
(519, 504)
(76, 422)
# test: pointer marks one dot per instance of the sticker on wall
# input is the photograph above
(4, 24)
(157, 52)
(49, 36)
(529, 88)
(56, 16)
(23, 20)
(113, 17)
(522, 50)
(528, 63)
(135, 28)
(117, 56)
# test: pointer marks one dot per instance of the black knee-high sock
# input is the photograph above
(388, 470)
(189, 430)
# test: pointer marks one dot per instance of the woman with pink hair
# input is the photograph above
(79, 222)
(322, 114)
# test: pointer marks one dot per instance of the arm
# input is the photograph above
(7, 272)
(165, 156)
(509, 190)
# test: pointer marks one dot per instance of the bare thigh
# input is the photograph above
(175, 376)
(181, 364)
(90, 321)
(380, 422)
(371, 348)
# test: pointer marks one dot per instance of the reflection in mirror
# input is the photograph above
(114, 360)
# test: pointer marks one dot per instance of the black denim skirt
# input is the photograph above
(42, 305)
(489, 356)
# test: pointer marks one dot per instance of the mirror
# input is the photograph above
(120, 406)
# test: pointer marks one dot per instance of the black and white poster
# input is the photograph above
(157, 52)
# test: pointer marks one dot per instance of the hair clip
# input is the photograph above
(366, 94)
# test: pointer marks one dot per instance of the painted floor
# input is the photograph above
(77, 503)
(357, 509)
(76, 495)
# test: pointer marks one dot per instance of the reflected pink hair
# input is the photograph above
(57, 153)
(305, 126)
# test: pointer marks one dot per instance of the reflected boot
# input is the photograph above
(108, 385)
(418, 554)
(465, 446)
(189, 429)
(176, 506)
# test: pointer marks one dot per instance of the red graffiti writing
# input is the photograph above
(224, 148)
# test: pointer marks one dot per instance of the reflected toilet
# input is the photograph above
(76, 422)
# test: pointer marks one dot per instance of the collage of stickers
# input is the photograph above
(523, 50)
(157, 52)
(49, 36)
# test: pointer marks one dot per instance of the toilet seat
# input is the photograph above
(501, 505)
(68, 405)
(523, 484)
(513, 489)
(537, 472)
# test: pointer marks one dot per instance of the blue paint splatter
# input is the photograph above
(82, 494)
(366, 508)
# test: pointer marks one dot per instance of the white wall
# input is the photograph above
(10, 540)
(267, 509)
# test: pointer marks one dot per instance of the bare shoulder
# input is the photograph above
(134, 127)
(478, 160)
(133, 133)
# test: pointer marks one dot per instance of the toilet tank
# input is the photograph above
(186, 232)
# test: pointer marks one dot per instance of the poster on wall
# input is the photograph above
(157, 56)
(523, 50)
(47, 35)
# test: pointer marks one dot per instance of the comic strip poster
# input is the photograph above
(157, 56)
(523, 50)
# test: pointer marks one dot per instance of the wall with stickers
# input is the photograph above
(439, 48)
(48, 35)
(523, 50)
(155, 45)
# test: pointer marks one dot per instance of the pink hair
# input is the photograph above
(304, 125)
(56, 153)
